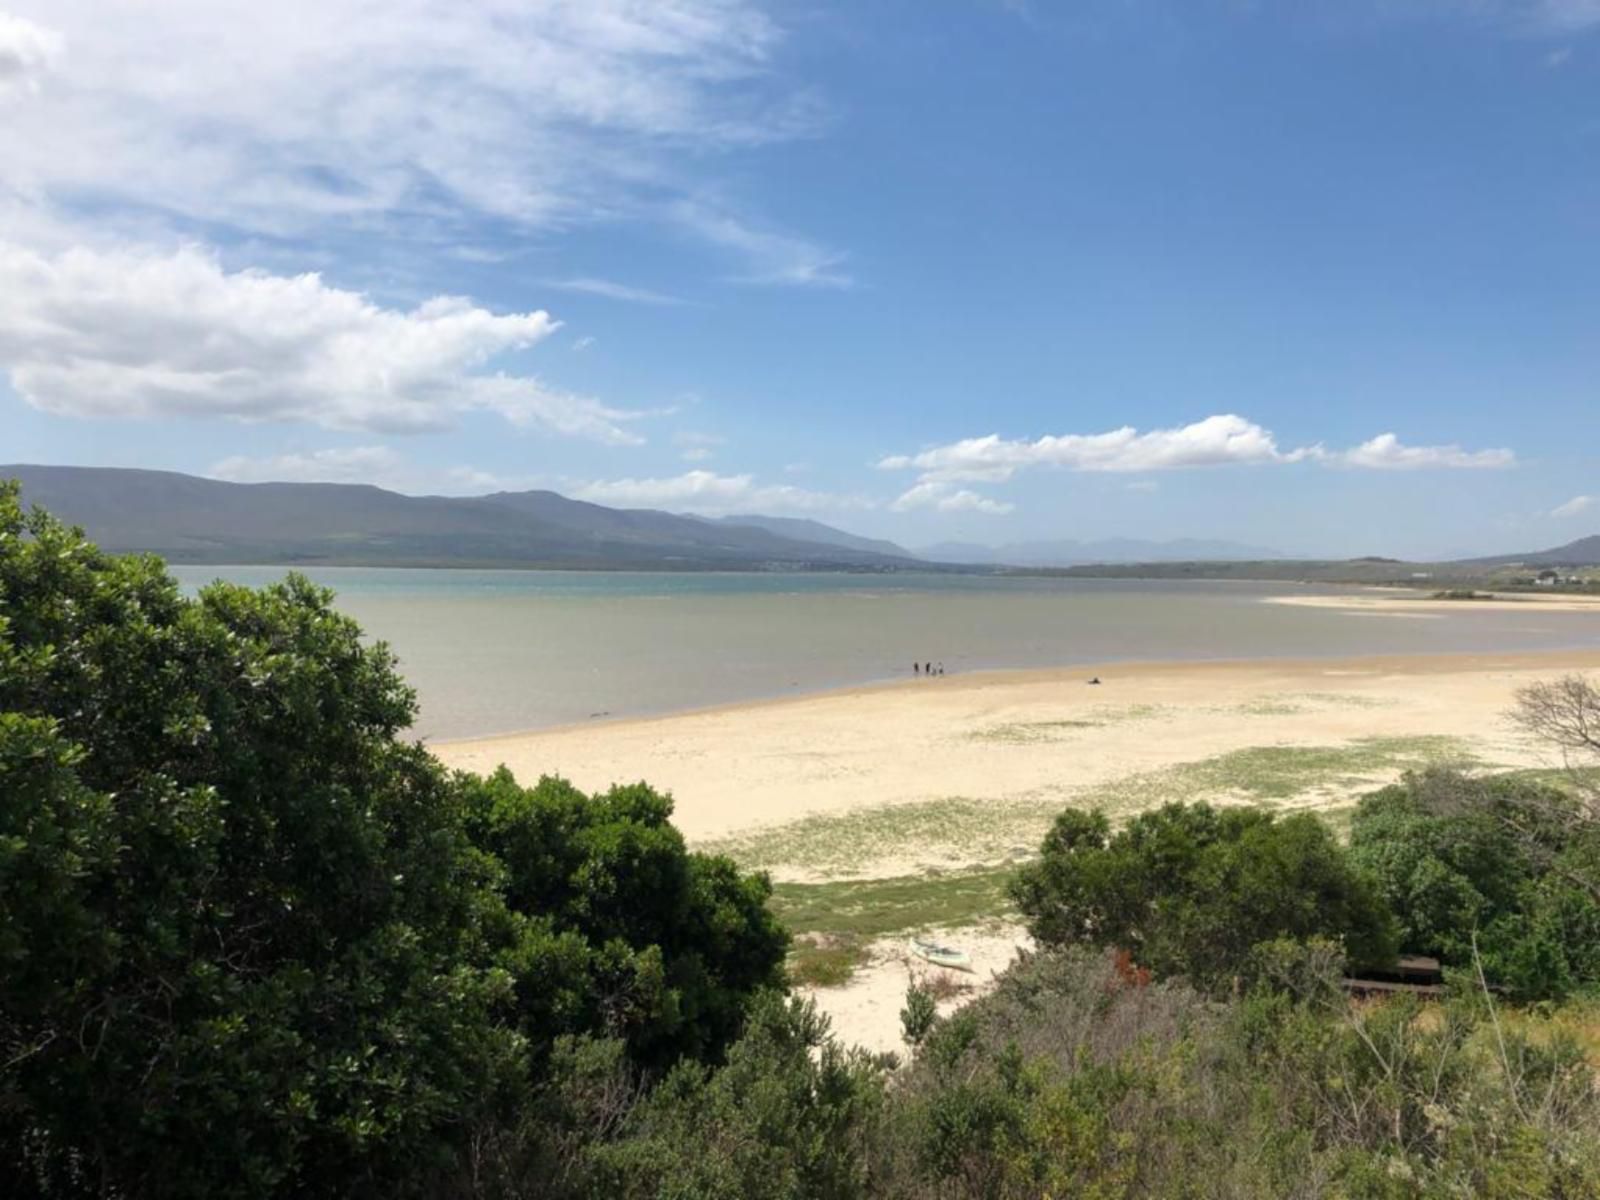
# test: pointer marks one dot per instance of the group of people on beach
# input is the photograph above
(927, 668)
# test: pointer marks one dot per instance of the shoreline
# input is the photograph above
(1068, 673)
(981, 750)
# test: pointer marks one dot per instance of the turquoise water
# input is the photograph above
(499, 651)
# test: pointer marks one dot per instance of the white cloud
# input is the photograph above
(707, 492)
(615, 291)
(1221, 440)
(380, 466)
(946, 497)
(27, 52)
(280, 118)
(140, 334)
(1578, 504)
(581, 344)
(1387, 453)
(1213, 441)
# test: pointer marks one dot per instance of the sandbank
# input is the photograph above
(1005, 736)
(1405, 602)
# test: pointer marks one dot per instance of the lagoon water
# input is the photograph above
(501, 651)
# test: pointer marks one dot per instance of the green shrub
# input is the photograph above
(1502, 863)
(253, 942)
(1189, 890)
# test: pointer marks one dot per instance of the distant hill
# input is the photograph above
(1070, 553)
(815, 531)
(189, 519)
(1585, 552)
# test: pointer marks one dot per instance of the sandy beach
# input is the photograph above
(948, 781)
(1007, 736)
(1408, 602)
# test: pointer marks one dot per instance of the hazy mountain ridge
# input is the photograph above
(1584, 552)
(190, 519)
(1067, 552)
(804, 529)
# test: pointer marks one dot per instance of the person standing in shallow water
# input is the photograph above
(916, 668)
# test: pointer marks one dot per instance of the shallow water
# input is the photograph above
(499, 651)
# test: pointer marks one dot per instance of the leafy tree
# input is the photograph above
(625, 932)
(252, 942)
(1190, 890)
(1492, 866)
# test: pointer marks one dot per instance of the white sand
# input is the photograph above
(1402, 602)
(866, 1011)
(1003, 736)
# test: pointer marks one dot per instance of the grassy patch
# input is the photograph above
(1098, 717)
(874, 908)
(1288, 704)
(825, 960)
(972, 830)
(1267, 774)
(961, 831)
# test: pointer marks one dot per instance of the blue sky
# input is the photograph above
(1321, 275)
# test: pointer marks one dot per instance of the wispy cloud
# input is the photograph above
(615, 291)
(1575, 506)
(381, 466)
(709, 493)
(1221, 440)
(695, 446)
(139, 334)
(769, 257)
(432, 115)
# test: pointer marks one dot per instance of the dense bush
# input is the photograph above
(1190, 890)
(253, 942)
(1078, 1077)
(1497, 862)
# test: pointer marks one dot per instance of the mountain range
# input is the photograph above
(1069, 553)
(191, 520)
(188, 519)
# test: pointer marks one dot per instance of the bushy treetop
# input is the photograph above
(1191, 890)
(252, 941)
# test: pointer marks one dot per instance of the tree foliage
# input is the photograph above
(252, 941)
(1493, 867)
(1191, 890)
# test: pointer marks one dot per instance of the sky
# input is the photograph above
(1318, 275)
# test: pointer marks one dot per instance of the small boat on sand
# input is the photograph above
(941, 956)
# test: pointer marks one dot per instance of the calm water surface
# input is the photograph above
(498, 651)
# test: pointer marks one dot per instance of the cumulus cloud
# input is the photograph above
(1578, 504)
(707, 492)
(945, 497)
(139, 334)
(1221, 440)
(278, 119)
(993, 459)
(27, 52)
(1387, 453)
